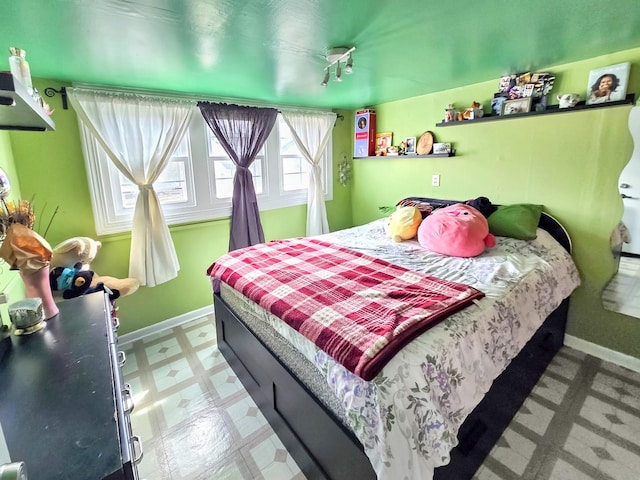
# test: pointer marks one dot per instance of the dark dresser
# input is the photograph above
(64, 408)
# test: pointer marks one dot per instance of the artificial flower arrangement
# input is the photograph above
(27, 251)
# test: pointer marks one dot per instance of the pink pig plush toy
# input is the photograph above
(457, 230)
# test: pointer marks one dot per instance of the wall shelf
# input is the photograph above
(431, 155)
(18, 109)
(629, 100)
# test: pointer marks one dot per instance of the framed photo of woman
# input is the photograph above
(608, 84)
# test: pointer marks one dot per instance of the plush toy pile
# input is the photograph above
(458, 230)
(70, 273)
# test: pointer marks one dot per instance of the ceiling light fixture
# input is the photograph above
(334, 57)
(325, 80)
(348, 68)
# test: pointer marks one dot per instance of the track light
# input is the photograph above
(325, 80)
(348, 68)
(334, 57)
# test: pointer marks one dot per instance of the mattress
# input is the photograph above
(408, 416)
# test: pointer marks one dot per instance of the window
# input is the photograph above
(197, 184)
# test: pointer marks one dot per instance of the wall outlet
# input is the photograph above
(435, 180)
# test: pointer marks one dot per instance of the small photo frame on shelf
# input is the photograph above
(410, 148)
(518, 105)
(496, 105)
(608, 84)
(383, 141)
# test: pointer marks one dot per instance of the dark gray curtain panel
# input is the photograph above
(241, 131)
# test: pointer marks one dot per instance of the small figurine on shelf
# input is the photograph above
(402, 148)
(475, 111)
(450, 113)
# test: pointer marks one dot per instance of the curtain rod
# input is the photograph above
(197, 98)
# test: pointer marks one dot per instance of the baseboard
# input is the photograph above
(169, 323)
(627, 361)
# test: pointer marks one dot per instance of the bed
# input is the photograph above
(437, 407)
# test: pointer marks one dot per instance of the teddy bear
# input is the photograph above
(75, 281)
(83, 250)
(458, 230)
(403, 223)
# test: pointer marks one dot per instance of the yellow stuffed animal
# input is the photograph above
(403, 223)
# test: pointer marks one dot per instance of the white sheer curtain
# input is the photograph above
(311, 132)
(139, 133)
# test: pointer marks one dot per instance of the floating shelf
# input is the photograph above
(629, 100)
(18, 109)
(431, 155)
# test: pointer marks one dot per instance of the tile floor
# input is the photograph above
(196, 422)
(622, 294)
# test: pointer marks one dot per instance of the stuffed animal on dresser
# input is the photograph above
(83, 250)
(75, 281)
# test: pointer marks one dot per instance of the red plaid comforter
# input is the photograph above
(359, 309)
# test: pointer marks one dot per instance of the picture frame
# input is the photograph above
(383, 141)
(496, 104)
(410, 146)
(608, 84)
(518, 105)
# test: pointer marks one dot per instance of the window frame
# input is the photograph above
(202, 205)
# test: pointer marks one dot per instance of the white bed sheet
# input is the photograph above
(407, 418)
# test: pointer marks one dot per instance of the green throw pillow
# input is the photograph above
(519, 220)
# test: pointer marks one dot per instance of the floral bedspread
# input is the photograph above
(408, 416)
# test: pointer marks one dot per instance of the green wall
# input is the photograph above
(51, 166)
(10, 283)
(569, 162)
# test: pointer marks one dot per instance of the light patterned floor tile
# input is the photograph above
(273, 460)
(564, 367)
(172, 374)
(602, 454)
(226, 383)
(565, 471)
(210, 357)
(514, 451)
(617, 389)
(204, 333)
(246, 417)
(614, 420)
(551, 389)
(179, 406)
(534, 416)
(158, 352)
(200, 443)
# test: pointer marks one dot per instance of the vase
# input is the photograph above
(36, 284)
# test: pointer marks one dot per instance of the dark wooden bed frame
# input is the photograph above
(324, 449)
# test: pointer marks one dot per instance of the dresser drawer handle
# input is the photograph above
(136, 439)
(122, 358)
(127, 398)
